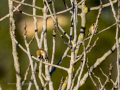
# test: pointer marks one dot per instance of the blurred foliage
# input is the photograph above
(105, 42)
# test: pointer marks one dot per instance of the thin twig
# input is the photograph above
(103, 6)
(79, 77)
(39, 59)
(91, 75)
(13, 11)
(87, 51)
(113, 10)
(61, 83)
(77, 72)
(53, 51)
(26, 74)
(58, 26)
(27, 4)
(100, 10)
(16, 8)
(108, 77)
(68, 9)
(98, 78)
(31, 61)
(98, 62)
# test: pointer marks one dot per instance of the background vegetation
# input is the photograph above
(105, 42)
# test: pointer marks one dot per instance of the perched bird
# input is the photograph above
(91, 29)
(41, 53)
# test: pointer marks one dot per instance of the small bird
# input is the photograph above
(41, 53)
(91, 29)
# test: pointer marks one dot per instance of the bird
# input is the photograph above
(91, 29)
(41, 53)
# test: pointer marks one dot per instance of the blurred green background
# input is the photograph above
(105, 42)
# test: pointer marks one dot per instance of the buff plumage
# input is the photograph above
(41, 53)
(91, 29)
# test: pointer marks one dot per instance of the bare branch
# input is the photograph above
(103, 6)
(14, 46)
(61, 83)
(26, 74)
(27, 4)
(98, 62)
(108, 77)
(91, 75)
